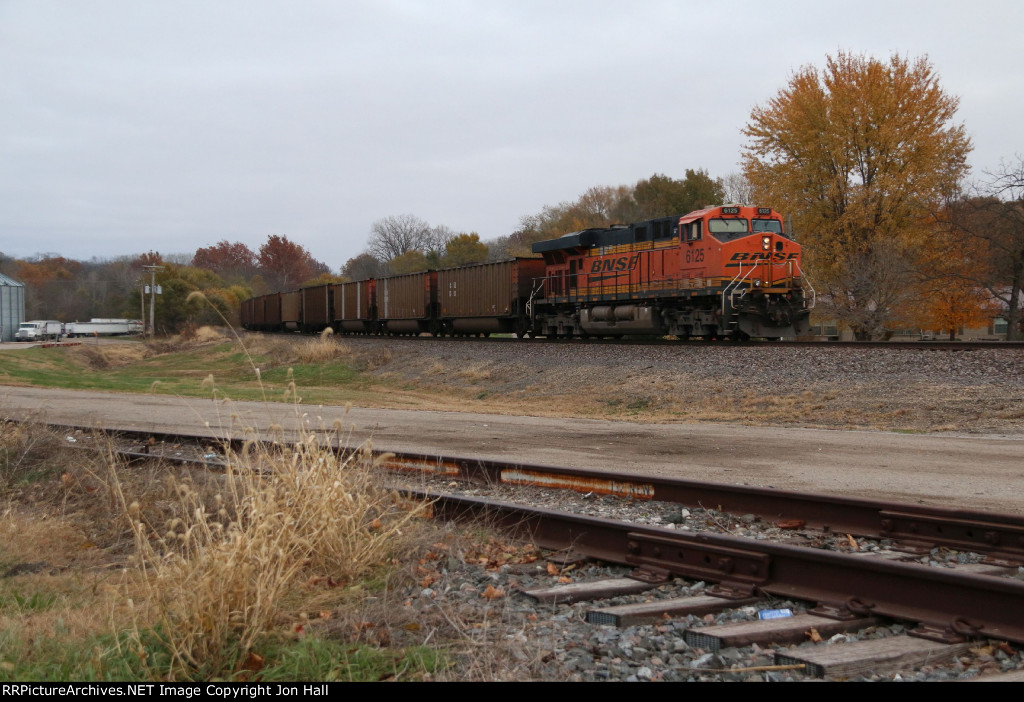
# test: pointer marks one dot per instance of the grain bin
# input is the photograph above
(12, 307)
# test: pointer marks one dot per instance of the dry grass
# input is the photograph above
(229, 568)
(28, 450)
(191, 338)
(284, 350)
(209, 567)
(106, 356)
(373, 359)
(320, 350)
(475, 373)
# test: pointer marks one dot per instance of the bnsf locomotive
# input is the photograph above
(726, 271)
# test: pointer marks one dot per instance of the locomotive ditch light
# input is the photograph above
(766, 243)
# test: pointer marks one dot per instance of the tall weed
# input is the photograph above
(223, 574)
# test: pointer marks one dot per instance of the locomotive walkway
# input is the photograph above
(980, 472)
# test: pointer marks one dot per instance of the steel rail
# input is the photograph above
(999, 535)
(915, 527)
(950, 606)
(928, 345)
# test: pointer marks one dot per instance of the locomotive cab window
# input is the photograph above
(728, 229)
(767, 225)
(692, 231)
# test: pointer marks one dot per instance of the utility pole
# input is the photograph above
(152, 297)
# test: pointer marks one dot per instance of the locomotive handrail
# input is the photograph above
(533, 293)
(730, 289)
(805, 279)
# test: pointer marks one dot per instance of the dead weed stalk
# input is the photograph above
(232, 567)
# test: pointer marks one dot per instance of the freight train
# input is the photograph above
(723, 272)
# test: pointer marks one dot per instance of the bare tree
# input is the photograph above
(995, 217)
(393, 236)
(362, 267)
(437, 241)
(738, 190)
(870, 291)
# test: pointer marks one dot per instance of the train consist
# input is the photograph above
(728, 271)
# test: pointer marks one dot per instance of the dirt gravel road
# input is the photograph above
(976, 472)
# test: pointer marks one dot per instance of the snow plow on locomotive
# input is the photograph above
(727, 271)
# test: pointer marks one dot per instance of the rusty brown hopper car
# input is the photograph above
(406, 303)
(291, 310)
(271, 311)
(354, 306)
(488, 297)
(316, 308)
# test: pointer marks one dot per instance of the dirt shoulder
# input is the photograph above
(979, 472)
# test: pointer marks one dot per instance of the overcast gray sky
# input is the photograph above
(136, 125)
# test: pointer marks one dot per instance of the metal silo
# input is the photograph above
(12, 307)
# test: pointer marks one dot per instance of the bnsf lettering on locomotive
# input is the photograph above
(757, 256)
(611, 265)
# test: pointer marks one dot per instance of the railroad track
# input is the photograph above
(858, 562)
(935, 345)
(916, 529)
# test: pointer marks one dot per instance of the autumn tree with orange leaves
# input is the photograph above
(948, 277)
(287, 265)
(234, 261)
(52, 284)
(993, 224)
(859, 154)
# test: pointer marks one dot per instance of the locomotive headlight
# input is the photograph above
(757, 282)
(766, 243)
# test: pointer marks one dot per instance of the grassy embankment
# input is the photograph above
(326, 371)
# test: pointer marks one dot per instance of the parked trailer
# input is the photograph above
(39, 330)
(488, 297)
(103, 327)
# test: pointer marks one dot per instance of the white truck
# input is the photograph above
(103, 327)
(39, 330)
